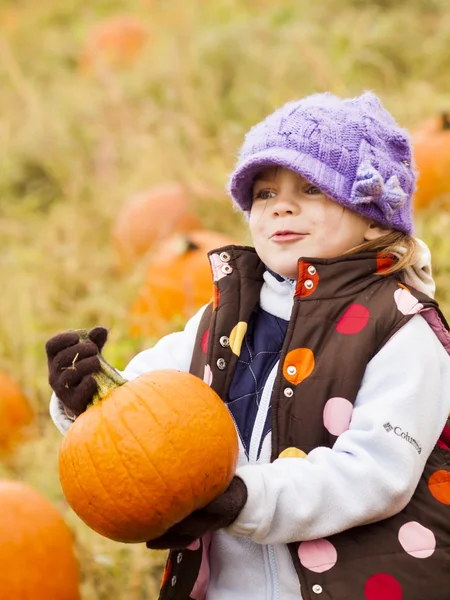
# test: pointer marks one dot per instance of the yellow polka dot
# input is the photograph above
(292, 453)
(237, 337)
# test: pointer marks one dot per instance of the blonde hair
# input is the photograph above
(404, 247)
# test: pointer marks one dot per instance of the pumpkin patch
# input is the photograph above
(36, 547)
(15, 412)
(177, 283)
(431, 143)
(147, 453)
(149, 217)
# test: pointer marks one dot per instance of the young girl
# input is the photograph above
(332, 357)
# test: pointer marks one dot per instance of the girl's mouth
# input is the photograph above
(287, 236)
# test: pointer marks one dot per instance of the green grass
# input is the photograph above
(75, 147)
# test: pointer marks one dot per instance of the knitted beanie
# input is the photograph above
(352, 149)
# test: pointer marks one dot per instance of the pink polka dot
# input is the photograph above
(317, 555)
(208, 376)
(417, 540)
(216, 266)
(406, 303)
(194, 546)
(337, 415)
(382, 587)
(205, 338)
(353, 320)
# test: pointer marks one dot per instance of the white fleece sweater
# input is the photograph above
(369, 474)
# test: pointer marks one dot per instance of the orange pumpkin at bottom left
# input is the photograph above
(37, 557)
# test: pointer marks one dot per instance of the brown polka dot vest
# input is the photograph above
(344, 311)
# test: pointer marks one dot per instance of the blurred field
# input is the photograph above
(75, 145)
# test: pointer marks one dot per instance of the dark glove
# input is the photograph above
(71, 364)
(219, 513)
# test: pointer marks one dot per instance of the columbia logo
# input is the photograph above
(388, 427)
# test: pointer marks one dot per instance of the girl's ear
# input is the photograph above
(375, 231)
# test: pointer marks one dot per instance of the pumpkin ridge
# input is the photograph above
(146, 456)
(158, 393)
(121, 459)
(80, 487)
(102, 484)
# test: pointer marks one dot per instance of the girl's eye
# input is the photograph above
(313, 190)
(264, 194)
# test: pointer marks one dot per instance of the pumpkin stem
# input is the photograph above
(107, 378)
(445, 120)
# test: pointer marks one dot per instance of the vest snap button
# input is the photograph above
(308, 284)
(226, 269)
(317, 589)
(312, 270)
(173, 580)
(291, 370)
(288, 392)
(224, 341)
(224, 257)
(179, 557)
(221, 364)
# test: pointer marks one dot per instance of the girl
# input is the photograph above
(332, 357)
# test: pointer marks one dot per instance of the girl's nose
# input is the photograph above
(285, 203)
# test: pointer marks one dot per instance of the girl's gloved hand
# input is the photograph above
(219, 513)
(71, 364)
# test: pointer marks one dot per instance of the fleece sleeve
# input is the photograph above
(174, 351)
(373, 469)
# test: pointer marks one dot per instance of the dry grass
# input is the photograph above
(74, 147)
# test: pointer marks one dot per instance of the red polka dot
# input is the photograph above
(353, 320)
(384, 262)
(382, 587)
(205, 339)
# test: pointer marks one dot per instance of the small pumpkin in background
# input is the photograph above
(178, 282)
(15, 412)
(37, 555)
(431, 143)
(147, 453)
(116, 42)
(149, 217)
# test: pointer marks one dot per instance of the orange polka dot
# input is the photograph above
(166, 573)
(216, 297)
(383, 263)
(298, 365)
(439, 486)
(292, 452)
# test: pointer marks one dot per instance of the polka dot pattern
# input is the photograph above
(205, 338)
(337, 414)
(216, 266)
(194, 546)
(292, 453)
(354, 319)
(167, 570)
(383, 263)
(439, 486)
(406, 303)
(208, 376)
(382, 587)
(416, 540)
(237, 337)
(216, 297)
(317, 556)
(298, 365)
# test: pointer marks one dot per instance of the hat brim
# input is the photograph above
(241, 181)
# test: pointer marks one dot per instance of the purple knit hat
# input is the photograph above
(352, 149)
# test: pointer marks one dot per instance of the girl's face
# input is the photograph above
(291, 218)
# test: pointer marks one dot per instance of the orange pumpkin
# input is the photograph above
(177, 283)
(151, 216)
(15, 412)
(114, 43)
(431, 142)
(36, 547)
(147, 453)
